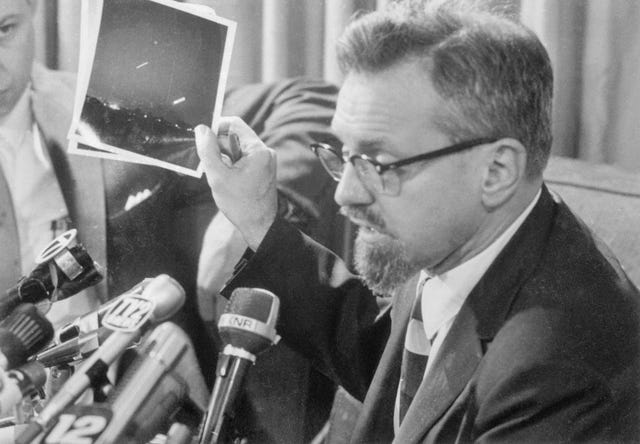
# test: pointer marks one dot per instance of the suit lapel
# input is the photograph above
(375, 424)
(82, 184)
(478, 321)
(10, 270)
(449, 375)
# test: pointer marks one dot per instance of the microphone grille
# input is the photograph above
(250, 319)
(254, 303)
(24, 332)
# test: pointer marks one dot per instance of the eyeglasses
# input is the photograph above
(381, 177)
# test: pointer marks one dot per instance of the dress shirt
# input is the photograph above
(40, 210)
(444, 294)
(37, 199)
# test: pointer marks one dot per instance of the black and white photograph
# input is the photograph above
(319, 221)
(140, 101)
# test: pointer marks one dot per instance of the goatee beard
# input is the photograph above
(383, 266)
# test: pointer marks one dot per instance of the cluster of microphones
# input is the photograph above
(57, 385)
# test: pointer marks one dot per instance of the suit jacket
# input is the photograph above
(545, 348)
(163, 232)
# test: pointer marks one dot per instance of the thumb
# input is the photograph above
(239, 133)
(208, 150)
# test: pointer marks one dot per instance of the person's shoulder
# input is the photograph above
(576, 310)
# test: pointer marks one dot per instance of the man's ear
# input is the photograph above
(507, 160)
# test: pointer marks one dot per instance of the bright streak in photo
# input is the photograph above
(180, 100)
(142, 64)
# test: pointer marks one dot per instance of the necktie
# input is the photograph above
(414, 357)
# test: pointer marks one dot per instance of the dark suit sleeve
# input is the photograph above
(334, 321)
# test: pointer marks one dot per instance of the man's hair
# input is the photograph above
(493, 74)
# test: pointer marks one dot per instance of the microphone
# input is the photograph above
(62, 270)
(164, 374)
(75, 349)
(82, 336)
(247, 327)
(18, 383)
(178, 434)
(92, 321)
(132, 315)
(24, 332)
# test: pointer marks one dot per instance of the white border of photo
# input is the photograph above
(91, 14)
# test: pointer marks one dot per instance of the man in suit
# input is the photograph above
(135, 220)
(484, 310)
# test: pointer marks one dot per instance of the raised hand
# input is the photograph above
(244, 189)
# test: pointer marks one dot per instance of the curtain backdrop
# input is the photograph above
(594, 47)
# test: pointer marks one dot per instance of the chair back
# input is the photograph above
(607, 199)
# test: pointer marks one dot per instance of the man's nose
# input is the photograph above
(351, 190)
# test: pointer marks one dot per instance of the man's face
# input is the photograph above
(16, 51)
(429, 223)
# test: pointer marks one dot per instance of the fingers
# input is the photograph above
(234, 140)
(240, 145)
(235, 149)
(208, 149)
(246, 139)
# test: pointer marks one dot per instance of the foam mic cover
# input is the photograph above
(91, 321)
(63, 272)
(164, 374)
(20, 382)
(249, 320)
(162, 298)
(247, 327)
(76, 342)
(24, 332)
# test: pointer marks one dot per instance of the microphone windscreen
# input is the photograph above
(249, 319)
(91, 273)
(253, 303)
(24, 332)
(158, 382)
(30, 376)
(168, 295)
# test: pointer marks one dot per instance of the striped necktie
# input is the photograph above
(414, 357)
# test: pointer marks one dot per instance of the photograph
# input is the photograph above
(321, 221)
(140, 101)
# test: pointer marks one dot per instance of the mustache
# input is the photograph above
(363, 213)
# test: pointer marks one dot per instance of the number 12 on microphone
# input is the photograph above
(80, 424)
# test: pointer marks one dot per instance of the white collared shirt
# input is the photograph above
(443, 295)
(36, 195)
(38, 202)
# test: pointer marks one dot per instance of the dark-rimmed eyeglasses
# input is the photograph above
(377, 176)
